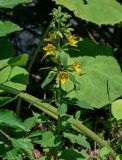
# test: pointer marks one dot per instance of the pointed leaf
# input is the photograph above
(48, 79)
(9, 118)
(77, 139)
(8, 27)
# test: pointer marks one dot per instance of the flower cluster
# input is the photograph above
(59, 38)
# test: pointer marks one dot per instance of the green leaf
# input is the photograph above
(86, 47)
(104, 151)
(6, 49)
(23, 144)
(70, 154)
(43, 158)
(4, 74)
(48, 79)
(35, 133)
(30, 123)
(84, 105)
(49, 139)
(77, 115)
(119, 157)
(100, 77)
(7, 27)
(9, 118)
(77, 139)
(20, 60)
(15, 77)
(63, 58)
(12, 154)
(99, 12)
(12, 3)
(62, 109)
(117, 109)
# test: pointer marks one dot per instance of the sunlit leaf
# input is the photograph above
(117, 109)
(99, 12)
(100, 77)
(12, 3)
(7, 28)
(9, 118)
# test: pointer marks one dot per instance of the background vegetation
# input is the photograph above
(89, 122)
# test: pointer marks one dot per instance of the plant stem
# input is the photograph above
(6, 135)
(30, 65)
(34, 56)
(52, 111)
(30, 156)
(59, 117)
(18, 106)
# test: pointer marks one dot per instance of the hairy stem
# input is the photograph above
(52, 111)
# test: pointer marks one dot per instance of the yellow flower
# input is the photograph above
(72, 40)
(62, 77)
(50, 38)
(76, 66)
(50, 49)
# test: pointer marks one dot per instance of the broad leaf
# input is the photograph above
(6, 49)
(86, 47)
(9, 118)
(77, 139)
(100, 78)
(8, 27)
(70, 154)
(23, 144)
(12, 3)
(15, 77)
(49, 139)
(35, 133)
(84, 105)
(62, 109)
(20, 60)
(63, 58)
(117, 109)
(99, 12)
(104, 151)
(30, 123)
(100, 81)
(12, 154)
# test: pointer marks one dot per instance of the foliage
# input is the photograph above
(116, 109)
(99, 12)
(78, 75)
